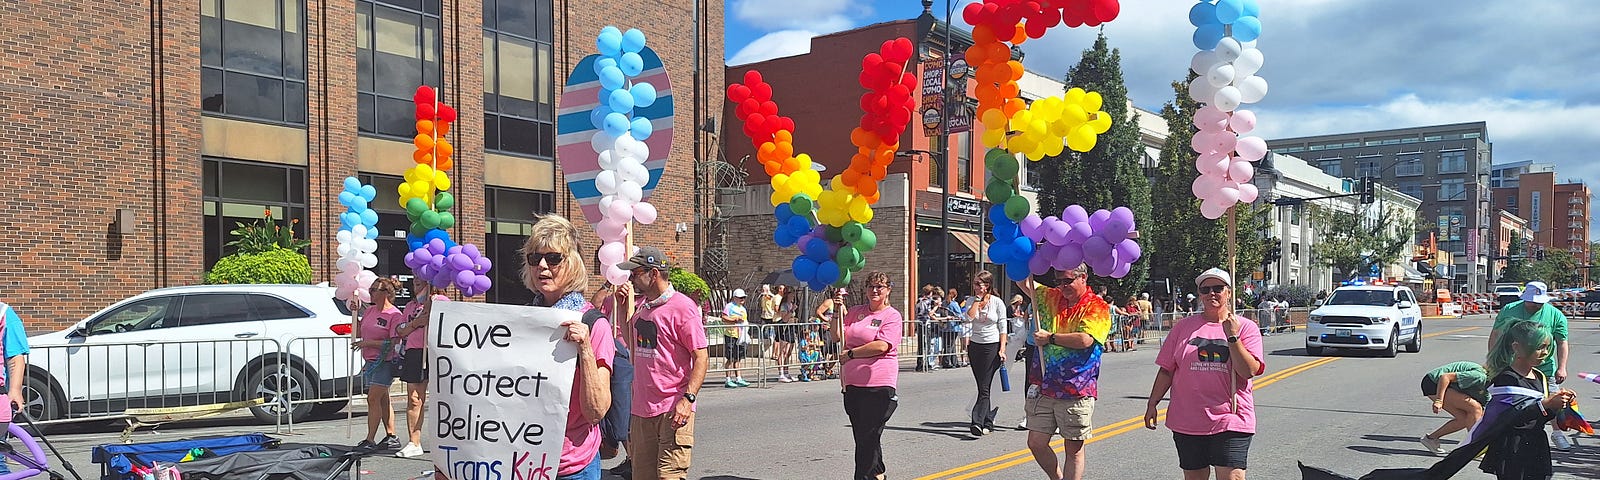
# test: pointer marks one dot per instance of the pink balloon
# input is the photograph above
(1211, 163)
(1224, 141)
(619, 209)
(616, 276)
(1243, 121)
(1213, 209)
(645, 213)
(1248, 192)
(1030, 227)
(1228, 195)
(611, 229)
(1251, 148)
(612, 253)
(1241, 170)
(1201, 142)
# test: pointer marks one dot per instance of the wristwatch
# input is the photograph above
(850, 353)
(688, 396)
(1233, 339)
(1052, 339)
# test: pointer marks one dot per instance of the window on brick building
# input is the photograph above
(252, 59)
(237, 192)
(936, 164)
(518, 77)
(964, 162)
(1453, 162)
(510, 214)
(397, 50)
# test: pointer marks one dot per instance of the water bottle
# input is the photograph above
(1005, 378)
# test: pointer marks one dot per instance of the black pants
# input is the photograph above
(869, 409)
(985, 358)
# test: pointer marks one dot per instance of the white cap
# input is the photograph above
(1217, 273)
(739, 292)
(1536, 292)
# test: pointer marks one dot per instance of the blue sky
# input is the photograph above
(1529, 69)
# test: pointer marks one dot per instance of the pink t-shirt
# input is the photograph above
(379, 324)
(665, 338)
(1197, 354)
(419, 337)
(582, 441)
(863, 326)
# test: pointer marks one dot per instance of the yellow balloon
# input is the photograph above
(441, 181)
(1102, 123)
(993, 138)
(405, 192)
(804, 161)
(1053, 147)
(1092, 101)
(1082, 139)
(860, 211)
(777, 198)
(1074, 96)
(1075, 114)
(993, 118)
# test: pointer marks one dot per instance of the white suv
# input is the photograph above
(197, 345)
(1376, 317)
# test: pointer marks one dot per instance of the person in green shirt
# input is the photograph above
(1460, 388)
(1535, 307)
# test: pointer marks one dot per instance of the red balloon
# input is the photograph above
(871, 61)
(972, 13)
(738, 92)
(752, 77)
(769, 108)
(424, 95)
(447, 113)
(1036, 29)
(903, 50)
(908, 79)
(761, 91)
(788, 124)
(757, 120)
(771, 124)
(425, 111)
(1106, 10)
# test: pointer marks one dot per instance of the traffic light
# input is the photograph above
(1368, 190)
(1539, 255)
(1273, 254)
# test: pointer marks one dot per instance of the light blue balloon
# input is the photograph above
(348, 219)
(632, 41)
(621, 101)
(601, 64)
(357, 203)
(1229, 10)
(347, 199)
(351, 183)
(616, 124)
(1207, 36)
(641, 128)
(631, 64)
(644, 94)
(612, 78)
(1246, 29)
(597, 117)
(1202, 13)
(1251, 9)
(610, 41)
(369, 217)
(369, 193)
(372, 233)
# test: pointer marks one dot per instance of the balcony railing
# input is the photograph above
(1575, 213)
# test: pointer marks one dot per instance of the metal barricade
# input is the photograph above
(329, 376)
(736, 349)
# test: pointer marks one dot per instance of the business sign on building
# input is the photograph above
(933, 73)
(963, 206)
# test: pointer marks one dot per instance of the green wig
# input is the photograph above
(1528, 334)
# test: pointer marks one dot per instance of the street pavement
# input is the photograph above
(1346, 412)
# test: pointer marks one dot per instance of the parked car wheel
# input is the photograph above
(1415, 345)
(1394, 346)
(41, 399)
(1314, 351)
(279, 384)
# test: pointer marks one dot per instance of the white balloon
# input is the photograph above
(345, 249)
(1220, 75)
(369, 260)
(1252, 89)
(624, 147)
(645, 213)
(633, 170)
(641, 151)
(1228, 49)
(601, 142)
(1203, 61)
(366, 245)
(605, 202)
(606, 182)
(608, 160)
(1227, 98)
(343, 236)
(630, 191)
(1248, 63)
(1201, 90)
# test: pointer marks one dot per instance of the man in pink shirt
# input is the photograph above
(669, 360)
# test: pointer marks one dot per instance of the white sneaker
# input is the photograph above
(411, 450)
(1432, 444)
(785, 378)
(1560, 440)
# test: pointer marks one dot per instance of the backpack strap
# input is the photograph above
(591, 316)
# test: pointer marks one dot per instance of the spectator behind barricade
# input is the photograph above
(784, 335)
(1017, 311)
(987, 345)
(15, 343)
(870, 368)
(554, 270)
(1147, 311)
(669, 352)
(767, 305)
(926, 304)
(734, 339)
(414, 361)
(954, 338)
(379, 348)
(1072, 324)
(811, 356)
(938, 348)
(1207, 363)
(1132, 325)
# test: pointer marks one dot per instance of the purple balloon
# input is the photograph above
(1128, 251)
(1095, 248)
(1057, 232)
(1080, 233)
(1039, 264)
(1070, 256)
(464, 277)
(1074, 214)
(1097, 222)
(472, 250)
(436, 246)
(437, 261)
(411, 260)
(482, 264)
(1123, 213)
(453, 250)
(1030, 226)
(1121, 270)
(461, 261)
(482, 283)
(441, 279)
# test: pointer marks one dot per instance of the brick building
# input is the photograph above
(190, 115)
(1556, 213)
(1507, 226)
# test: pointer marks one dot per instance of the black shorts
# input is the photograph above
(414, 366)
(732, 349)
(1429, 387)
(786, 333)
(1225, 449)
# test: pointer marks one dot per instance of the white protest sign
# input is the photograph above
(501, 380)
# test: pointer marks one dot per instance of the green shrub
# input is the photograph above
(278, 265)
(690, 284)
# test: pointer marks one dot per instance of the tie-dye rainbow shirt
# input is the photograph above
(1069, 373)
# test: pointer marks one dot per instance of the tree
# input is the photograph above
(1108, 175)
(1180, 243)
(1351, 243)
(1517, 270)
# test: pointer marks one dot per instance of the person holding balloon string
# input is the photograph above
(378, 330)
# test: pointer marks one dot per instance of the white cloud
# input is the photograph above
(783, 43)
(814, 15)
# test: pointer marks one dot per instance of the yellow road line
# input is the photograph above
(1011, 459)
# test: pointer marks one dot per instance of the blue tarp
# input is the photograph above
(118, 459)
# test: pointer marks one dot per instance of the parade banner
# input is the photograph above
(502, 379)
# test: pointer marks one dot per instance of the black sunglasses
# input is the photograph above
(550, 259)
(1068, 280)
(1213, 289)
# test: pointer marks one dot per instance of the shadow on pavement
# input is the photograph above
(1415, 452)
(726, 477)
(956, 430)
(1392, 438)
(1331, 410)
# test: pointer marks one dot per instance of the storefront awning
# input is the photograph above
(1412, 275)
(973, 243)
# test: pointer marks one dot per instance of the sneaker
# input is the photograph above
(975, 430)
(389, 443)
(740, 382)
(1022, 424)
(411, 450)
(1432, 444)
(785, 378)
(1560, 440)
(363, 448)
(729, 384)
(805, 378)
(624, 469)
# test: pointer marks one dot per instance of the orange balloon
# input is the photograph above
(1013, 106)
(785, 149)
(998, 53)
(981, 34)
(423, 142)
(783, 136)
(772, 169)
(851, 176)
(1010, 90)
(878, 172)
(445, 164)
(884, 157)
(766, 152)
(444, 150)
(975, 54)
(1016, 70)
(422, 156)
(1019, 35)
(869, 189)
(425, 127)
(442, 128)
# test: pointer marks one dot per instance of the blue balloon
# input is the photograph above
(644, 94)
(351, 183)
(817, 286)
(1246, 29)
(372, 233)
(798, 225)
(1229, 10)
(597, 117)
(369, 193)
(1000, 252)
(642, 128)
(1006, 232)
(616, 124)
(783, 212)
(601, 64)
(1207, 36)
(620, 101)
(631, 64)
(1016, 273)
(783, 238)
(1022, 249)
(348, 219)
(612, 78)
(817, 250)
(441, 235)
(1202, 13)
(347, 199)
(609, 41)
(415, 242)
(805, 270)
(997, 212)
(1251, 9)
(632, 40)
(828, 272)
(369, 217)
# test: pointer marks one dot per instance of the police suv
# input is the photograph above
(1367, 317)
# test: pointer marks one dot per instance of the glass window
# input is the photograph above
(240, 192)
(140, 315)
(1408, 165)
(1412, 188)
(267, 307)
(518, 78)
(397, 50)
(511, 213)
(252, 59)
(1332, 167)
(1366, 168)
(964, 162)
(214, 309)
(1453, 162)
(1452, 189)
(936, 166)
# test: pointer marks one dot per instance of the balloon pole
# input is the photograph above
(627, 310)
(1233, 261)
(350, 411)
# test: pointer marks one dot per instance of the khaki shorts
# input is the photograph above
(1071, 417)
(659, 450)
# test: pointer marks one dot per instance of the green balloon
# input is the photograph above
(859, 265)
(429, 220)
(847, 256)
(844, 280)
(1017, 208)
(994, 155)
(998, 190)
(1005, 166)
(444, 201)
(867, 242)
(417, 230)
(416, 206)
(851, 232)
(800, 205)
(447, 220)
(833, 234)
